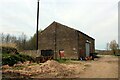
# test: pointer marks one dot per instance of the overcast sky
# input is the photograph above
(97, 18)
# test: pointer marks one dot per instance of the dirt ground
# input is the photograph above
(104, 67)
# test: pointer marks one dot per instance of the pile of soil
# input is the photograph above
(50, 68)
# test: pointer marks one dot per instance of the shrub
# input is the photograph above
(11, 59)
(9, 50)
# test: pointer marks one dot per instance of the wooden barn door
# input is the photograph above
(87, 49)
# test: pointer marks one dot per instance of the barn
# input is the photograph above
(58, 37)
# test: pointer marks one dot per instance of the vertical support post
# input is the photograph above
(37, 25)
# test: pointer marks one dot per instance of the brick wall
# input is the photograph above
(57, 36)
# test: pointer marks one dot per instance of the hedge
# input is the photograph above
(11, 59)
(8, 50)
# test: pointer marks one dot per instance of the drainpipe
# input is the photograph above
(78, 51)
(55, 41)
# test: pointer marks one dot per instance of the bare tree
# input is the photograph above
(7, 38)
(2, 38)
(21, 42)
(13, 39)
(114, 46)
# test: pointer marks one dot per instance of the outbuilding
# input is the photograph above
(61, 38)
